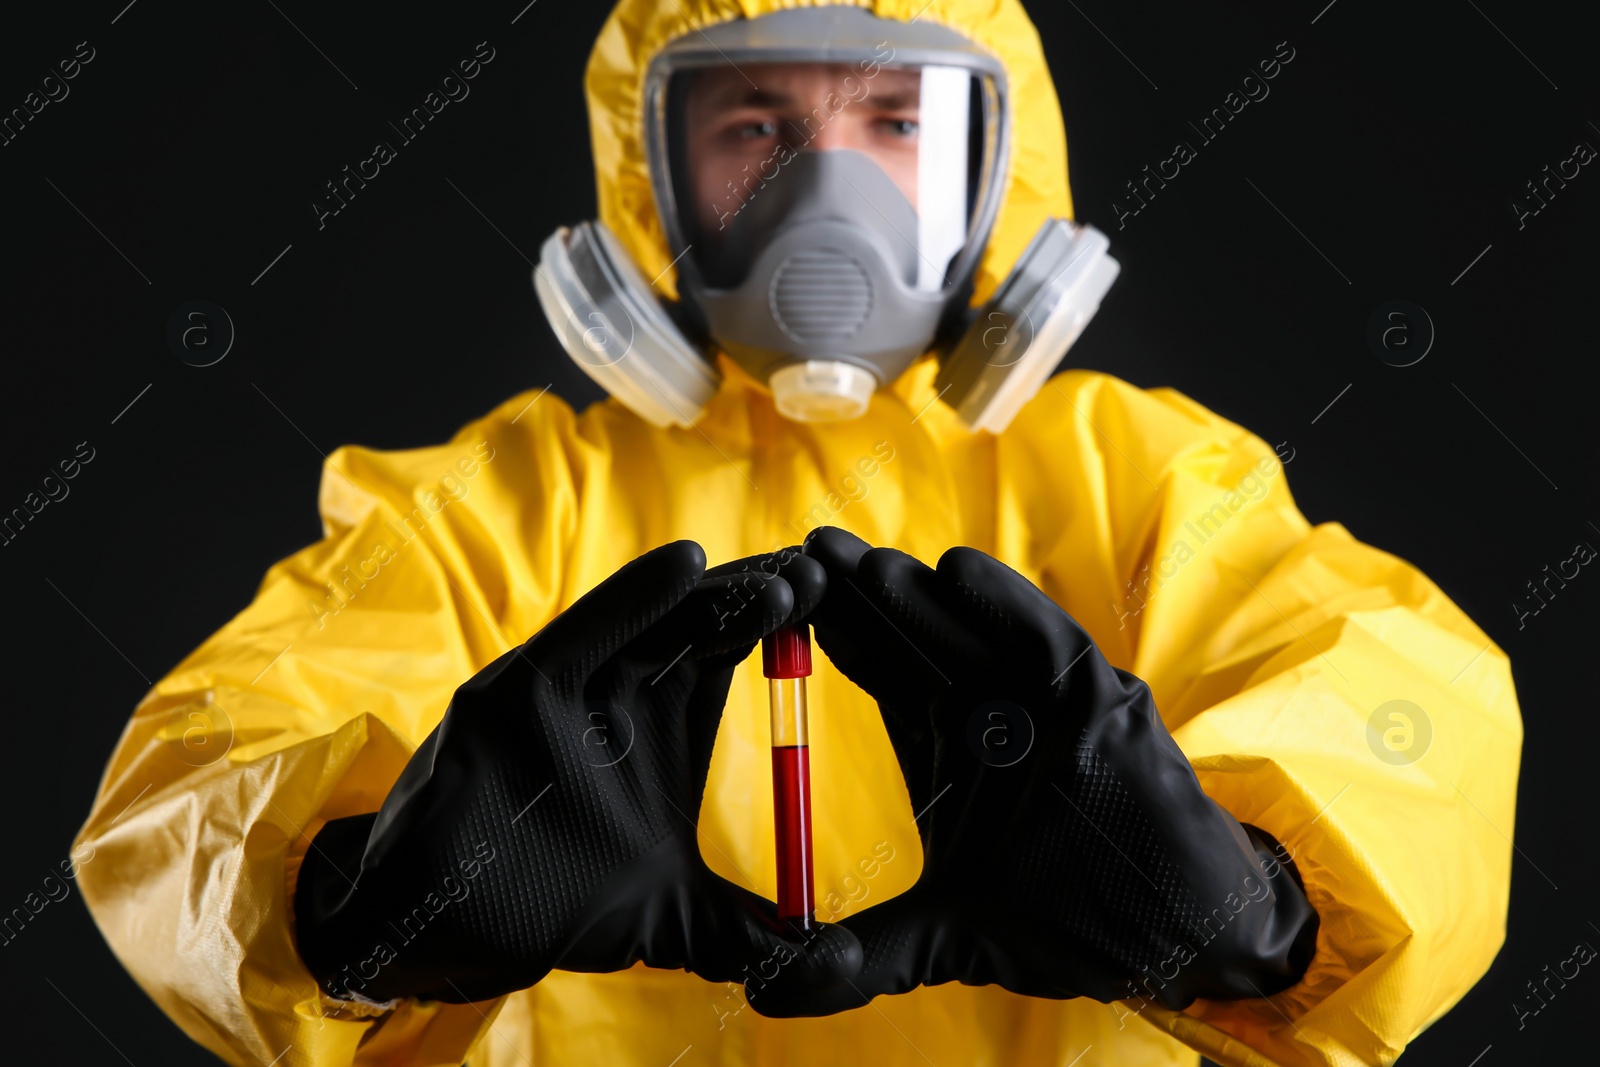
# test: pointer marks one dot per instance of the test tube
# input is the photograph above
(786, 661)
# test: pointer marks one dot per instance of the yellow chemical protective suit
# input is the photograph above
(1168, 532)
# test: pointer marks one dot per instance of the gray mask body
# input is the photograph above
(820, 263)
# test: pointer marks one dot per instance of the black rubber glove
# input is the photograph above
(550, 820)
(1068, 849)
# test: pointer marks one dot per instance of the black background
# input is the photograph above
(1390, 148)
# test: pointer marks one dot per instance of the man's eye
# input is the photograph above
(754, 131)
(901, 127)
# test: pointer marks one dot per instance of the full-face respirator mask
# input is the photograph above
(827, 181)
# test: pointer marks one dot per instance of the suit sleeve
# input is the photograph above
(1323, 690)
(305, 708)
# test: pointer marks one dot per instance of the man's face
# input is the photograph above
(741, 133)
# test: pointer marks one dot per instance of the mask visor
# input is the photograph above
(732, 135)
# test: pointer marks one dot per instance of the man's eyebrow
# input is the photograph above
(742, 96)
(737, 96)
(895, 101)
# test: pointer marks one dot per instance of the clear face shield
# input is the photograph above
(828, 181)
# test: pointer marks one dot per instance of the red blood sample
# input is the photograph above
(786, 660)
(791, 808)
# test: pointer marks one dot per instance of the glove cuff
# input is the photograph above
(325, 935)
(1297, 920)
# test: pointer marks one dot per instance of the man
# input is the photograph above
(495, 776)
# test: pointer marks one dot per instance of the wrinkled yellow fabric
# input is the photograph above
(1267, 650)
(1267, 646)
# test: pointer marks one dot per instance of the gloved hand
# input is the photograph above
(550, 820)
(1068, 849)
